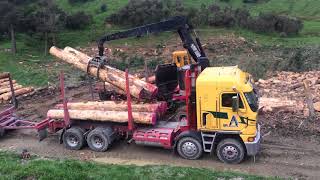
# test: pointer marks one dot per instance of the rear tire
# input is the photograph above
(73, 138)
(2, 132)
(230, 151)
(97, 140)
(189, 148)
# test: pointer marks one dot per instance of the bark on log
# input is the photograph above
(5, 90)
(4, 75)
(8, 95)
(96, 115)
(150, 89)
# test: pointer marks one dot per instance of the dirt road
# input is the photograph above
(290, 156)
(283, 157)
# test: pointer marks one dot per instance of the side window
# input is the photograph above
(227, 100)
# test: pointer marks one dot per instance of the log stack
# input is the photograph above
(138, 88)
(110, 111)
(5, 90)
(286, 91)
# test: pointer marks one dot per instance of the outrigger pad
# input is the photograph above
(42, 134)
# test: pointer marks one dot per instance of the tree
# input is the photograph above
(9, 18)
(50, 20)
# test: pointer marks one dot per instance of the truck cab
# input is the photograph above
(227, 108)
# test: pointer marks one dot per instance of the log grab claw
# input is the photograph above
(98, 62)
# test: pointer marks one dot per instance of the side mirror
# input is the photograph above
(235, 103)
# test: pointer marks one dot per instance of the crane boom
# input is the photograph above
(178, 23)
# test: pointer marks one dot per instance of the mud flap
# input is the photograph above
(42, 134)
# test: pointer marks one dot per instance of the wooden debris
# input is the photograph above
(286, 91)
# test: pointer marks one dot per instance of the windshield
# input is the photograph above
(252, 100)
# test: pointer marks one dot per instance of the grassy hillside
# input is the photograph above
(12, 167)
(31, 67)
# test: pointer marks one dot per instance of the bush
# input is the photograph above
(275, 23)
(103, 8)
(287, 25)
(78, 20)
(77, 1)
(138, 12)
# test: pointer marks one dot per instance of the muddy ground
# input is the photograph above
(286, 151)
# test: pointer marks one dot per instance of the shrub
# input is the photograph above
(287, 25)
(103, 8)
(77, 1)
(78, 20)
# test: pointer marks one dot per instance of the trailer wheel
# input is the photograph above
(230, 151)
(2, 131)
(73, 138)
(97, 140)
(189, 148)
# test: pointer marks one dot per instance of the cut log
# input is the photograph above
(4, 80)
(7, 83)
(8, 95)
(116, 106)
(271, 104)
(151, 79)
(96, 115)
(135, 80)
(4, 75)
(138, 88)
(317, 106)
(5, 90)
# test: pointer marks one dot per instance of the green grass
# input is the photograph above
(29, 65)
(12, 167)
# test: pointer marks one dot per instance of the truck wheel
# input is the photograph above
(97, 140)
(230, 151)
(73, 138)
(189, 148)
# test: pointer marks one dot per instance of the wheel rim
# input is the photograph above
(230, 152)
(72, 140)
(189, 149)
(97, 142)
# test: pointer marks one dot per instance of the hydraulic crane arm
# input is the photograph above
(178, 23)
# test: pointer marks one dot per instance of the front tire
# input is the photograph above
(189, 148)
(73, 138)
(230, 151)
(97, 140)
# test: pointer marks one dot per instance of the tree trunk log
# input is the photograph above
(116, 106)
(8, 95)
(5, 90)
(147, 88)
(6, 83)
(4, 80)
(96, 115)
(4, 75)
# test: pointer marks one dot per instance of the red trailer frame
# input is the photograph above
(10, 121)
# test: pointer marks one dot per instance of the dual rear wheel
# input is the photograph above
(97, 140)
